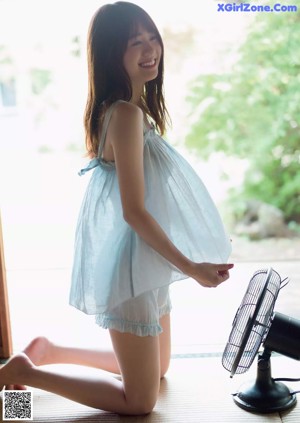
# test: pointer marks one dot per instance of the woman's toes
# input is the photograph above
(15, 371)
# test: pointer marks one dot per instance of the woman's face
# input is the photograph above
(142, 56)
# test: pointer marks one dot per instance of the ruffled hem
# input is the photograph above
(125, 326)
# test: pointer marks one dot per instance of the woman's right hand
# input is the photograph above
(209, 275)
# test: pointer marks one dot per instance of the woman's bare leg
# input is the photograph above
(138, 359)
(139, 362)
(42, 351)
(165, 344)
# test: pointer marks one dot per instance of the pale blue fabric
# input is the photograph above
(112, 263)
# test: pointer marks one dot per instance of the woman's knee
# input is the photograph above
(142, 404)
(142, 399)
(139, 361)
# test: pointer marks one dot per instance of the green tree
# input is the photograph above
(253, 112)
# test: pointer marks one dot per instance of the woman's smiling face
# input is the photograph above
(142, 56)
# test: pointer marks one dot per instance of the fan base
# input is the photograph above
(256, 400)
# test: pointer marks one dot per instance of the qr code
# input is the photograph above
(17, 405)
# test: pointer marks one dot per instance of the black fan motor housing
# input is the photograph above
(284, 336)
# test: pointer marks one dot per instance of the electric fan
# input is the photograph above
(256, 323)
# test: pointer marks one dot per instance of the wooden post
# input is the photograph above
(5, 328)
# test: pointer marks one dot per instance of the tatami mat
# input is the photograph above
(195, 390)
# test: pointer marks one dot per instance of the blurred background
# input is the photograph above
(232, 89)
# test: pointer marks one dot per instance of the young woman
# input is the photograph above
(145, 222)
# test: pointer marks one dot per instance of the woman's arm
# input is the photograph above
(126, 135)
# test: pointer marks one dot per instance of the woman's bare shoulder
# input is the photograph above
(126, 116)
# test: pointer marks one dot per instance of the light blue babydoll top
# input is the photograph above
(112, 263)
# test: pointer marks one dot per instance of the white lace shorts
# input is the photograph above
(140, 315)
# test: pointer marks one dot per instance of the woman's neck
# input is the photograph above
(137, 95)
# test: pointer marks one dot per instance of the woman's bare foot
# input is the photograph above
(14, 373)
(39, 351)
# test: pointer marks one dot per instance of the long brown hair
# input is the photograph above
(108, 35)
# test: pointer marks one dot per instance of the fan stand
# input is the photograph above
(265, 395)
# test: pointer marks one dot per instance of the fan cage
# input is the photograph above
(252, 321)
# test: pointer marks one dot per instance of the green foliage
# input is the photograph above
(4, 56)
(254, 112)
(75, 46)
(40, 79)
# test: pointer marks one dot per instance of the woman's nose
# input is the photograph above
(148, 48)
